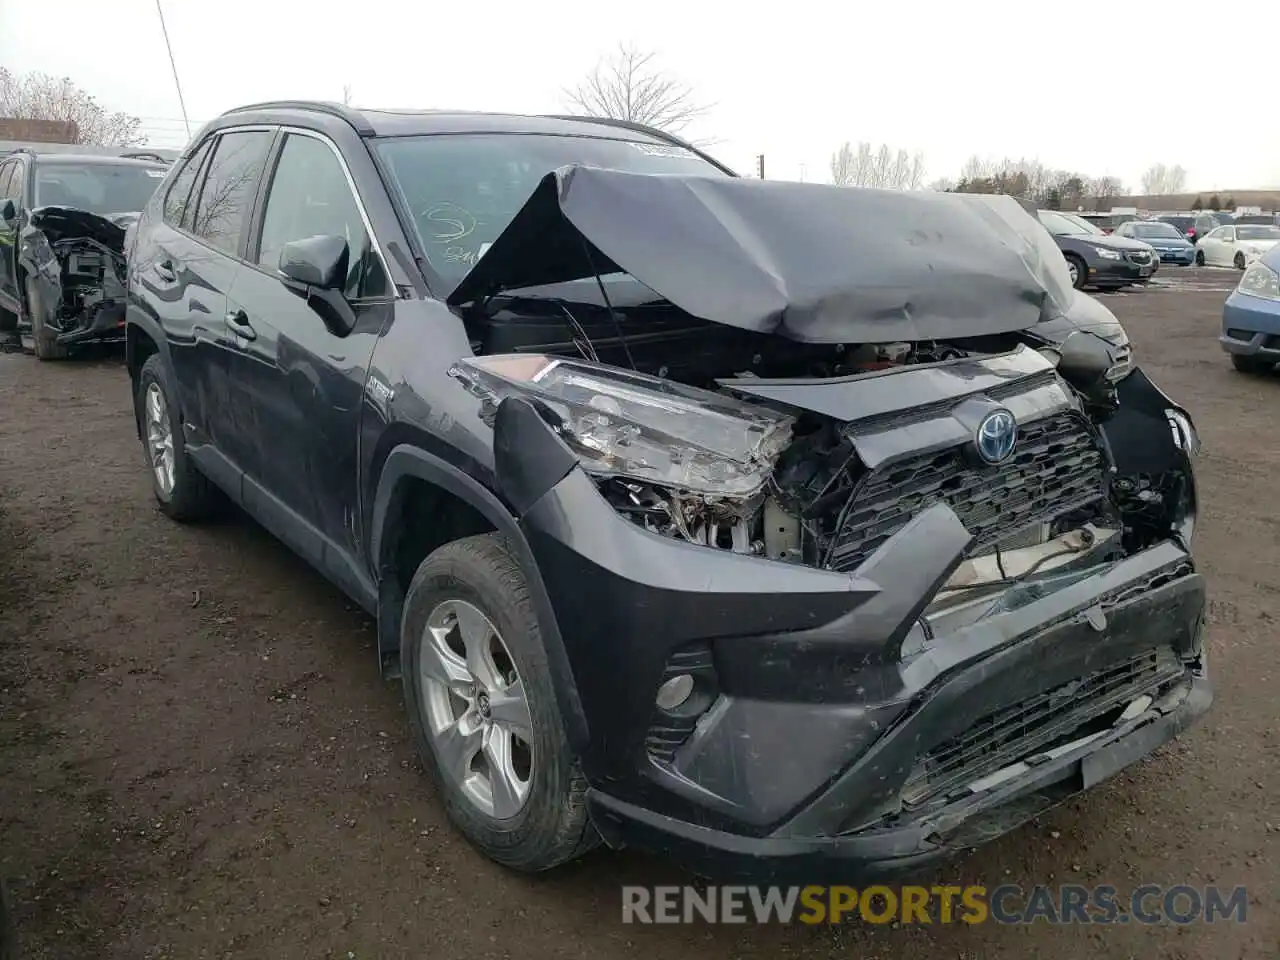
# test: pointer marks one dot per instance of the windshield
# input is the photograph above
(1250, 232)
(101, 188)
(463, 189)
(1064, 223)
(1167, 230)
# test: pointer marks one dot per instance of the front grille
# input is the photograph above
(1139, 256)
(1056, 467)
(1015, 732)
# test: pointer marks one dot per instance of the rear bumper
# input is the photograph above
(1251, 327)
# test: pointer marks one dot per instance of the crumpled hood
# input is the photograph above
(72, 223)
(812, 262)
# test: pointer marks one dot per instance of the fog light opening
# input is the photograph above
(675, 692)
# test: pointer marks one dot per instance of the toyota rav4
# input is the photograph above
(772, 526)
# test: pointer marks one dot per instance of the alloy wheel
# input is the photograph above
(477, 711)
(1073, 272)
(159, 438)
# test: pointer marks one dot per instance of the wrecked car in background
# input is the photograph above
(63, 218)
(771, 526)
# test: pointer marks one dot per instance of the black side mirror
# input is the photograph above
(9, 211)
(316, 269)
(319, 262)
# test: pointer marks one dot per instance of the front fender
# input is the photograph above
(405, 462)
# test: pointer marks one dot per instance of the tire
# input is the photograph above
(190, 495)
(1239, 261)
(1081, 271)
(8, 321)
(45, 340)
(1250, 364)
(1199, 258)
(549, 825)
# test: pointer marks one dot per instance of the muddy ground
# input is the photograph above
(197, 758)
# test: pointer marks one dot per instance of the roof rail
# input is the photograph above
(353, 117)
(142, 155)
(637, 127)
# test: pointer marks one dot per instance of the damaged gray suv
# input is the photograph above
(771, 526)
(63, 219)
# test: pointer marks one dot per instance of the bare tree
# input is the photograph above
(842, 166)
(1162, 179)
(915, 172)
(1104, 190)
(628, 86)
(38, 96)
(882, 167)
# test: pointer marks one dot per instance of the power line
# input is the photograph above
(174, 66)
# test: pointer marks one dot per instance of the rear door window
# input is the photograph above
(221, 213)
(6, 177)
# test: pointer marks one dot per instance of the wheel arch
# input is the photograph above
(142, 337)
(409, 474)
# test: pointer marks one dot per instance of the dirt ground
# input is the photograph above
(198, 760)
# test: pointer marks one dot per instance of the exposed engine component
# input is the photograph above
(829, 489)
(726, 524)
(93, 279)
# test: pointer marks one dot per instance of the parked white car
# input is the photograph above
(1237, 245)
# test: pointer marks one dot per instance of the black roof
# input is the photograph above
(403, 123)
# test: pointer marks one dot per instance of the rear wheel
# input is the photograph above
(1077, 270)
(1239, 261)
(182, 491)
(45, 339)
(1199, 258)
(483, 710)
(1250, 364)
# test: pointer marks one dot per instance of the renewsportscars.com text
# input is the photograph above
(1005, 904)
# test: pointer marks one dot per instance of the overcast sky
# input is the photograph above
(1105, 88)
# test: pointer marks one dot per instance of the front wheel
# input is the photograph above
(483, 710)
(1199, 258)
(45, 339)
(1076, 270)
(182, 491)
(1239, 261)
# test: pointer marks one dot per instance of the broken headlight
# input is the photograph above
(627, 424)
(1184, 433)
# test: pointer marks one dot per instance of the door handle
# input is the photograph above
(164, 270)
(238, 321)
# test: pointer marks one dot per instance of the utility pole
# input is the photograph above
(169, 47)
(760, 165)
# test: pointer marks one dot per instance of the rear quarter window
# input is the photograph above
(178, 196)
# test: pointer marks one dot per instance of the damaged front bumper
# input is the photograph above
(751, 717)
